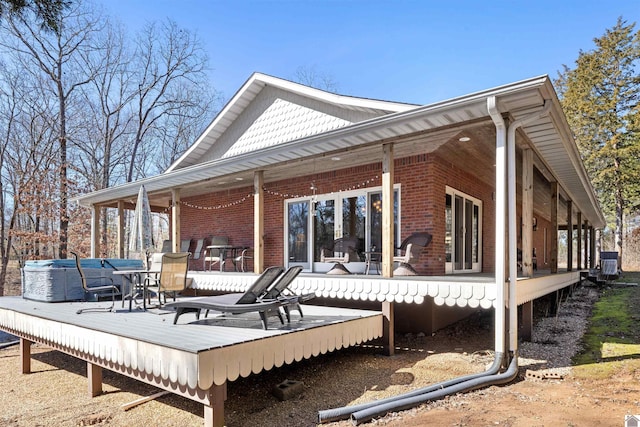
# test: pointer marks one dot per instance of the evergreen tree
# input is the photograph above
(600, 99)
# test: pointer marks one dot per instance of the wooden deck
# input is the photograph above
(194, 359)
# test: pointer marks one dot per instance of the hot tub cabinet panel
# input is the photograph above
(58, 280)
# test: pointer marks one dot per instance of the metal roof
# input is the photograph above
(550, 137)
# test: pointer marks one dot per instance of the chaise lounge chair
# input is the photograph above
(263, 297)
(236, 302)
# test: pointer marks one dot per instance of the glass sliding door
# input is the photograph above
(463, 219)
(298, 237)
(314, 223)
(375, 219)
(354, 219)
(324, 226)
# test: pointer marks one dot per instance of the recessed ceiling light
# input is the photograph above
(464, 139)
(239, 179)
(222, 182)
(336, 158)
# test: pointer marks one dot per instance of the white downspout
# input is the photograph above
(501, 157)
(513, 244)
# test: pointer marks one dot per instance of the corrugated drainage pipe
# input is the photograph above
(329, 415)
(409, 402)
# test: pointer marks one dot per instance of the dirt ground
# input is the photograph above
(55, 393)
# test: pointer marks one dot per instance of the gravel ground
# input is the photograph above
(350, 376)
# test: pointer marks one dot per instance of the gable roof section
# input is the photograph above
(291, 111)
(550, 137)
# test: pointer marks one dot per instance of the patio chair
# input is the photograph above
(410, 251)
(96, 290)
(237, 302)
(185, 245)
(200, 246)
(240, 261)
(346, 248)
(166, 246)
(215, 255)
(172, 277)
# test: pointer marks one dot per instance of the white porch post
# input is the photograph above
(554, 228)
(387, 244)
(387, 211)
(175, 219)
(258, 222)
(579, 241)
(569, 235)
(527, 212)
(95, 233)
(120, 237)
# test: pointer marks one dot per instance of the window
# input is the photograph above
(463, 232)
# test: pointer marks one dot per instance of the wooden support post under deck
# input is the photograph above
(527, 321)
(121, 229)
(388, 328)
(214, 412)
(258, 222)
(553, 265)
(527, 212)
(175, 219)
(94, 379)
(579, 241)
(25, 355)
(569, 235)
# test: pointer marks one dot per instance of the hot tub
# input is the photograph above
(58, 280)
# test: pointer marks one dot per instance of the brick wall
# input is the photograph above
(422, 193)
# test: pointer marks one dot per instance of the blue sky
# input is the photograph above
(405, 50)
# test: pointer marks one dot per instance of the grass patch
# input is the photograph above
(612, 341)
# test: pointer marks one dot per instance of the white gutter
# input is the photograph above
(513, 243)
(501, 190)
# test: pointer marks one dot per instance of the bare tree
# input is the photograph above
(59, 58)
(311, 76)
(166, 59)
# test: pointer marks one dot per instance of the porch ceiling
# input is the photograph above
(420, 130)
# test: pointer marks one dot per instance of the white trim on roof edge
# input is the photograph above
(254, 85)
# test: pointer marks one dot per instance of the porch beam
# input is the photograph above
(258, 222)
(387, 210)
(553, 241)
(527, 212)
(579, 241)
(120, 232)
(175, 219)
(569, 235)
(95, 231)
